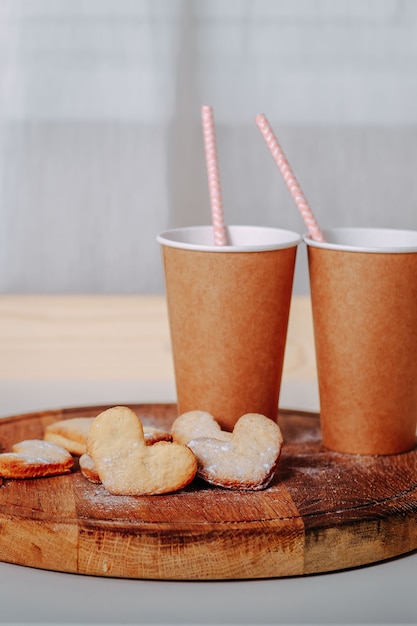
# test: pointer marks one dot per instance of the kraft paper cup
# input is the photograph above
(364, 303)
(228, 310)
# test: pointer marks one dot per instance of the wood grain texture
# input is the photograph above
(113, 338)
(323, 511)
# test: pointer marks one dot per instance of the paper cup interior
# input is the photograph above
(366, 240)
(241, 238)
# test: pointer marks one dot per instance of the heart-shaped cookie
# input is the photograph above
(127, 466)
(71, 434)
(194, 424)
(246, 460)
(152, 435)
(35, 458)
(88, 469)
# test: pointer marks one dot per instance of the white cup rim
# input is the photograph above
(376, 240)
(243, 238)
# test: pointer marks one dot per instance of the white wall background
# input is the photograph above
(100, 135)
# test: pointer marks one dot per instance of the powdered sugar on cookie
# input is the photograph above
(245, 459)
(35, 458)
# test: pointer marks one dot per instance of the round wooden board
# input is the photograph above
(324, 511)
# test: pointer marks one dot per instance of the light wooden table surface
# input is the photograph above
(44, 337)
(72, 350)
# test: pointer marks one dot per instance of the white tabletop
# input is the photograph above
(383, 593)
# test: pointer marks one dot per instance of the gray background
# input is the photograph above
(100, 134)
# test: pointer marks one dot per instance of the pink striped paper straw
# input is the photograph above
(220, 237)
(289, 178)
